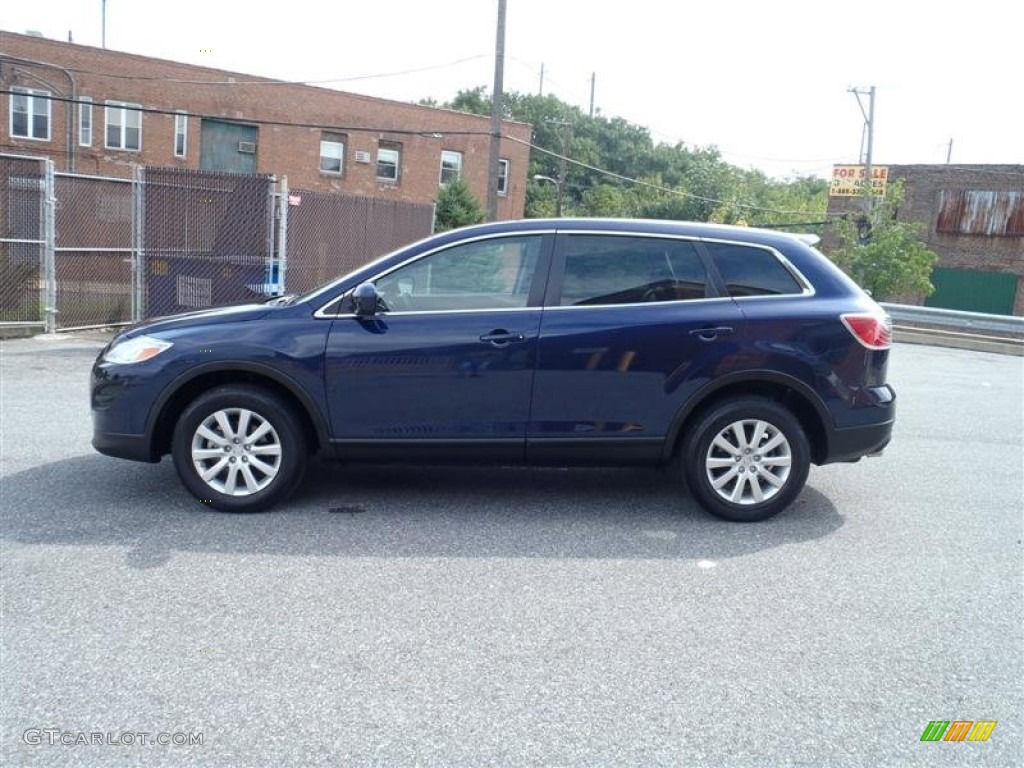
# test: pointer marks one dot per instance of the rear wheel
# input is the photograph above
(239, 449)
(746, 459)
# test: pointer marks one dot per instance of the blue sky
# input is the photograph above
(766, 82)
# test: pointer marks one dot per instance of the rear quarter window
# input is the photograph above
(750, 271)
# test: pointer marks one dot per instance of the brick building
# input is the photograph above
(97, 111)
(974, 216)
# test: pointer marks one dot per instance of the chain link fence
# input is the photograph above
(208, 239)
(331, 234)
(80, 251)
(96, 248)
(23, 202)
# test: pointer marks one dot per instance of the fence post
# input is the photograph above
(50, 245)
(138, 239)
(282, 235)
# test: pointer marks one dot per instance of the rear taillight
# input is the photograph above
(871, 330)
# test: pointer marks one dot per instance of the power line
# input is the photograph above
(427, 132)
(640, 182)
(269, 81)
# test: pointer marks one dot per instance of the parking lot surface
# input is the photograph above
(507, 617)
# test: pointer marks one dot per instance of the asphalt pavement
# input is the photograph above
(506, 617)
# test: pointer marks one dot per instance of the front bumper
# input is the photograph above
(119, 403)
(132, 447)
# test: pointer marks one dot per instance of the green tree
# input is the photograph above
(456, 206)
(884, 255)
(701, 185)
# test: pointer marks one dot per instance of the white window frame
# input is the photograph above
(31, 96)
(180, 129)
(393, 149)
(121, 109)
(85, 123)
(336, 140)
(454, 159)
(506, 166)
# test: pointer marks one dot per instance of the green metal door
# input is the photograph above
(973, 291)
(228, 147)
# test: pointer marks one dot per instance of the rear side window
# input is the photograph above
(616, 269)
(751, 271)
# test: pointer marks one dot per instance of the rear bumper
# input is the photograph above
(871, 435)
(856, 442)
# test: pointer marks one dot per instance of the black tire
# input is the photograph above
(746, 468)
(262, 489)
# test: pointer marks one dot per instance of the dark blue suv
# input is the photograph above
(742, 354)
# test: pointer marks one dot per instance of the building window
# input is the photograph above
(30, 114)
(503, 177)
(451, 165)
(389, 161)
(180, 135)
(124, 126)
(85, 121)
(332, 153)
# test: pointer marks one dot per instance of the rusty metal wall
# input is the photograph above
(981, 212)
(331, 234)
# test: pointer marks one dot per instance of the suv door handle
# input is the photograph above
(710, 334)
(501, 338)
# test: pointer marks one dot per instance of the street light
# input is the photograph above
(558, 190)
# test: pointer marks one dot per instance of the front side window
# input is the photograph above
(180, 135)
(487, 274)
(615, 269)
(30, 114)
(451, 165)
(124, 126)
(503, 177)
(389, 161)
(749, 271)
(332, 153)
(85, 122)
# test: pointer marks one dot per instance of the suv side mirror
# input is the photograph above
(365, 299)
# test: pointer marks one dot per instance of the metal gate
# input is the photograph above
(973, 290)
(26, 245)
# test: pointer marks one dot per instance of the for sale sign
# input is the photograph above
(849, 180)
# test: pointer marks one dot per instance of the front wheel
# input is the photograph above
(239, 449)
(746, 459)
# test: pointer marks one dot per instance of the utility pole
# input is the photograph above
(949, 152)
(104, 24)
(869, 127)
(541, 79)
(497, 104)
(593, 78)
(563, 166)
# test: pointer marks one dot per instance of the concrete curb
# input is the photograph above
(20, 330)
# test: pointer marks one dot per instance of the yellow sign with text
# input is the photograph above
(848, 180)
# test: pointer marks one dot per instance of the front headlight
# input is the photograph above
(135, 350)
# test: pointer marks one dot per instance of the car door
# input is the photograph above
(633, 325)
(446, 368)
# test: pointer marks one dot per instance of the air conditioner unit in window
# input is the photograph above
(362, 157)
(247, 147)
